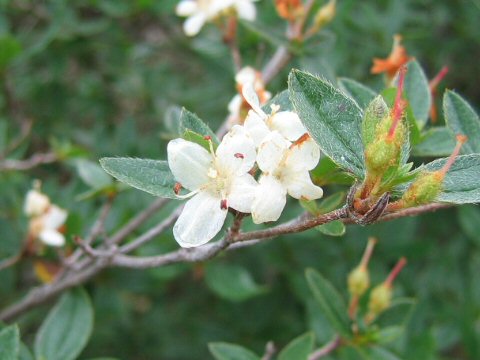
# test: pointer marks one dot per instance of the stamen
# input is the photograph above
(300, 140)
(399, 103)
(207, 137)
(210, 144)
(223, 204)
(395, 271)
(461, 139)
(239, 156)
(177, 187)
(189, 195)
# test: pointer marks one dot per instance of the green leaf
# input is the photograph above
(9, 49)
(327, 172)
(333, 228)
(92, 174)
(299, 348)
(417, 92)
(282, 99)
(389, 334)
(330, 302)
(332, 118)
(190, 121)
(152, 176)
(379, 353)
(462, 119)
(437, 141)
(226, 351)
(9, 343)
(231, 282)
(25, 353)
(362, 94)
(67, 328)
(331, 202)
(462, 182)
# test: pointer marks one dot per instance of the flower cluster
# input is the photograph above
(253, 169)
(46, 219)
(201, 11)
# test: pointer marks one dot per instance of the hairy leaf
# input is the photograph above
(299, 348)
(9, 343)
(362, 94)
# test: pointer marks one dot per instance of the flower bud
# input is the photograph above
(380, 299)
(358, 281)
(428, 185)
(375, 112)
(325, 14)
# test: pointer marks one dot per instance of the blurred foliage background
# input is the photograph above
(100, 77)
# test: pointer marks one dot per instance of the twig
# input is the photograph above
(10, 261)
(327, 349)
(34, 161)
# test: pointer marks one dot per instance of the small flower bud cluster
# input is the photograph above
(359, 282)
(46, 219)
(252, 170)
(384, 134)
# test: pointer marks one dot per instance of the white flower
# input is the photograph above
(46, 226)
(258, 124)
(217, 180)
(36, 203)
(285, 168)
(201, 11)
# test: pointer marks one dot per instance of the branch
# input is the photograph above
(34, 161)
(327, 349)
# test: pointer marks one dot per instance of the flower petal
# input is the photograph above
(193, 24)
(246, 10)
(54, 217)
(52, 237)
(186, 8)
(303, 155)
(300, 186)
(36, 203)
(242, 193)
(271, 152)
(201, 219)
(189, 163)
(251, 97)
(246, 75)
(270, 199)
(256, 127)
(288, 124)
(236, 153)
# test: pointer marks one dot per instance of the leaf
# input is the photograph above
(462, 182)
(437, 141)
(190, 121)
(226, 351)
(282, 99)
(330, 302)
(331, 202)
(417, 92)
(379, 353)
(152, 176)
(327, 172)
(25, 353)
(299, 348)
(462, 119)
(231, 282)
(362, 94)
(333, 228)
(9, 49)
(389, 334)
(92, 174)
(67, 328)
(9, 343)
(332, 118)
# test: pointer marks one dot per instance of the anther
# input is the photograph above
(223, 204)
(207, 138)
(177, 187)
(239, 156)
